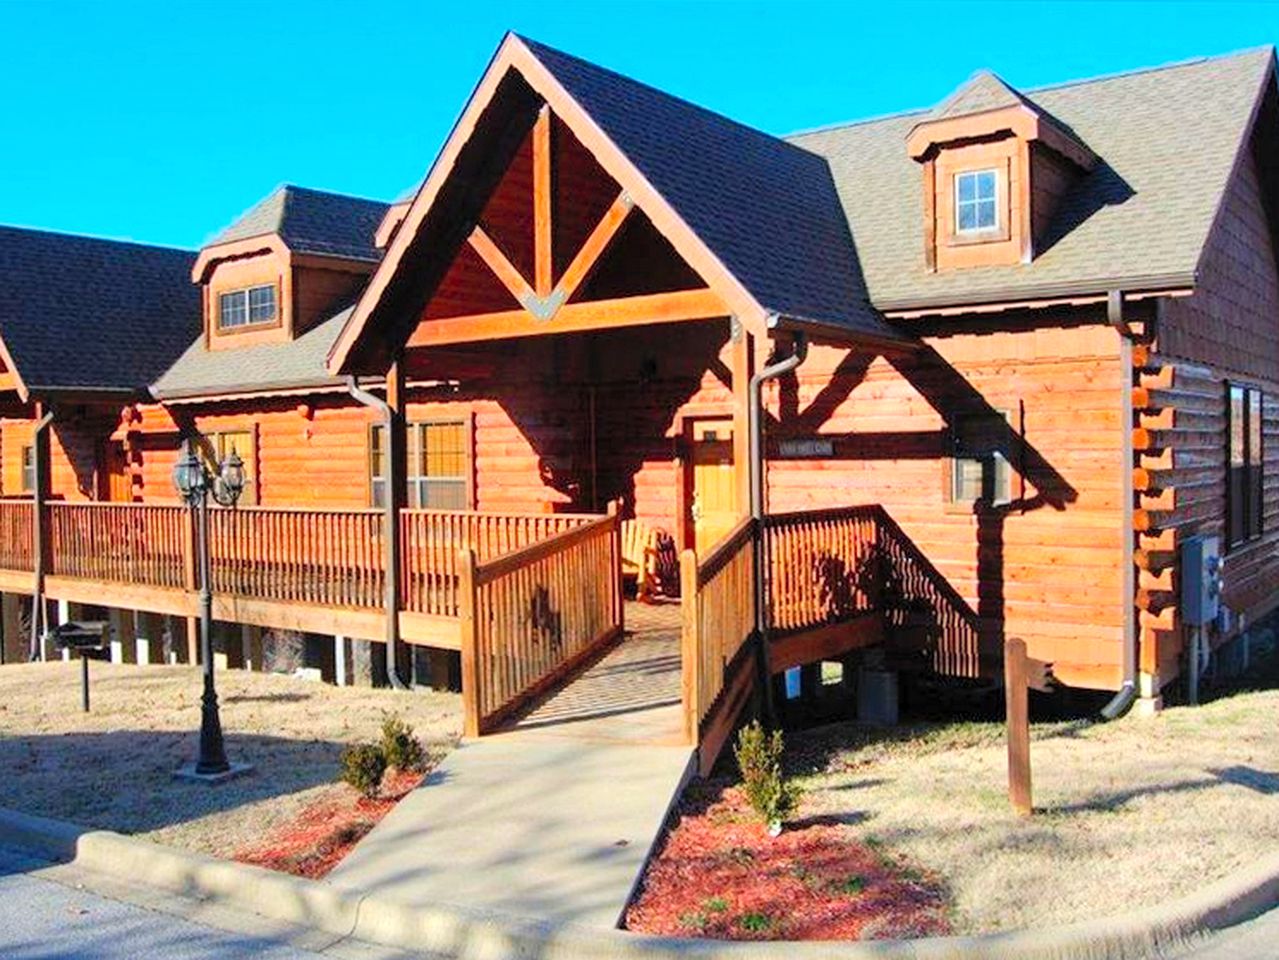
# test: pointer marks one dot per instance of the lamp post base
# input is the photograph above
(189, 773)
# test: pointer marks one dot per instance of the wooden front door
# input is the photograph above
(712, 507)
(116, 483)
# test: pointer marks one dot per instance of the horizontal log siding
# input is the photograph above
(1227, 331)
(1051, 573)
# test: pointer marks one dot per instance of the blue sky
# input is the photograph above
(161, 122)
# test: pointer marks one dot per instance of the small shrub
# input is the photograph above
(755, 922)
(851, 886)
(693, 921)
(362, 767)
(400, 747)
(759, 757)
(715, 905)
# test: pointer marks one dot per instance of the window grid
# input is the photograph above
(1245, 480)
(248, 307)
(976, 201)
(979, 470)
(438, 463)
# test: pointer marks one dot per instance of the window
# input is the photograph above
(28, 469)
(976, 206)
(1244, 504)
(216, 446)
(979, 470)
(438, 465)
(247, 308)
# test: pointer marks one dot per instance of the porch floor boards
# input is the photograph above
(630, 695)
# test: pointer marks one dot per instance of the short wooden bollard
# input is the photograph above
(1017, 698)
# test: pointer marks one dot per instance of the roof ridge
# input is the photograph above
(1080, 81)
(531, 43)
(298, 188)
(94, 238)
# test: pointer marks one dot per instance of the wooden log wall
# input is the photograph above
(531, 617)
(1224, 333)
(1049, 565)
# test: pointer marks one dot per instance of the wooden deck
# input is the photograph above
(532, 603)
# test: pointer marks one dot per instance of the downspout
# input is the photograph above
(1127, 693)
(34, 651)
(392, 539)
(778, 369)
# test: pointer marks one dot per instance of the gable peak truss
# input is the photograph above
(543, 297)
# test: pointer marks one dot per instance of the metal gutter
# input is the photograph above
(1127, 693)
(757, 465)
(1043, 291)
(391, 540)
(38, 435)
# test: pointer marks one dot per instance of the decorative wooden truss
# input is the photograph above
(544, 266)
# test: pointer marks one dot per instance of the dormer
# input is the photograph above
(289, 263)
(994, 167)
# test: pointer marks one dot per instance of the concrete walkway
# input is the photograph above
(554, 819)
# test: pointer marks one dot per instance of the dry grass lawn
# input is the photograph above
(113, 768)
(1127, 814)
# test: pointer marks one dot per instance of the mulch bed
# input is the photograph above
(324, 832)
(719, 875)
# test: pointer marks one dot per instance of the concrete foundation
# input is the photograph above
(877, 697)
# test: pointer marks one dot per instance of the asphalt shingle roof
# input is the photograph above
(267, 366)
(312, 221)
(82, 313)
(767, 209)
(1166, 140)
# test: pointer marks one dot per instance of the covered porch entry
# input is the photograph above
(607, 347)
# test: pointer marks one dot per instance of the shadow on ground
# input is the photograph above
(123, 779)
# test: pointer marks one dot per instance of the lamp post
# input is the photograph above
(195, 486)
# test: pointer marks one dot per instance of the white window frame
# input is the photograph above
(977, 201)
(245, 295)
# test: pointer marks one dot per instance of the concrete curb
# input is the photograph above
(478, 935)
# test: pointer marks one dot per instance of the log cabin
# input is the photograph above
(918, 384)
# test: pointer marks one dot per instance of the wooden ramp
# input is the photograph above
(555, 815)
(631, 694)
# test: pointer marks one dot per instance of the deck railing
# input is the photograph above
(430, 541)
(15, 534)
(299, 555)
(829, 566)
(719, 620)
(119, 542)
(822, 566)
(529, 617)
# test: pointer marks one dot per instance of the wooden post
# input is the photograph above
(691, 644)
(1017, 696)
(397, 655)
(619, 590)
(743, 367)
(471, 679)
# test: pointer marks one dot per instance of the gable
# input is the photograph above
(754, 218)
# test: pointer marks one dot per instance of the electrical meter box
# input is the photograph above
(1200, 580)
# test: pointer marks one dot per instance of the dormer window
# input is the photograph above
(250, 307)
(976, 201)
